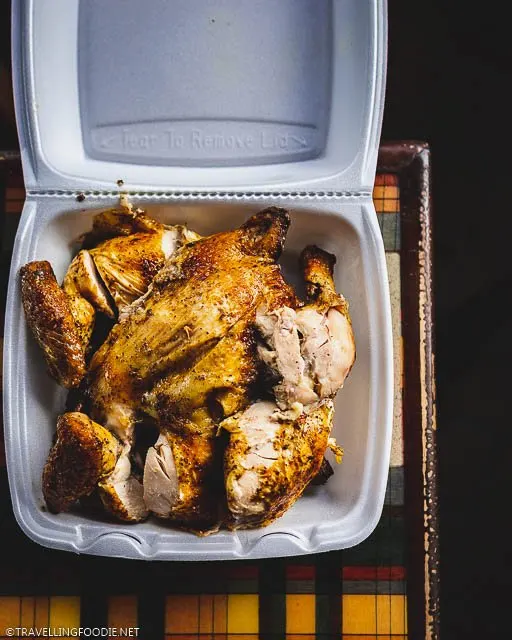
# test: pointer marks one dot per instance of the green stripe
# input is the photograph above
(372, 587)
(385, 547)
(272, 600)
(328, 600)
(389, 224)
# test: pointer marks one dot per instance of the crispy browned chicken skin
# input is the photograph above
(276, 448)
(83, 454)
(50, 319)
(185, 353)
(270, 460)
(209, 335)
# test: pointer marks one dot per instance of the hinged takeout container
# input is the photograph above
(205, 111)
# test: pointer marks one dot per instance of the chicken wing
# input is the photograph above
(128, 264)
(51, 321)
(84, 453)
(116, 271)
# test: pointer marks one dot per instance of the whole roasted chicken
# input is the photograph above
(211, 355)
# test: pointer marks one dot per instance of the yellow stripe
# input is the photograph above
(367, 614)
(242, 614)
(398, 614)
(300, 613)
(64, 612)
(359, 612)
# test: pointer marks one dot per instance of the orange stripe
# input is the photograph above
(42, 613)
(374, 614)
(9, 613)
(220, 605)
(28, 613)
(205, 614)
(182, 614)
(122, 611)
(391, 206)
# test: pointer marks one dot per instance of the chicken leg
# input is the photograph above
(276, 448)
(310, 349)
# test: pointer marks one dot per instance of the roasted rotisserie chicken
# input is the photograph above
(210, 352)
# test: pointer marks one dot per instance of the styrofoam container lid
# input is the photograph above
(200, 95)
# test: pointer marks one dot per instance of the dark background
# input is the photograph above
(448, 84)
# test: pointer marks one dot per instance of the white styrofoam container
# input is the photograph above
(207, 110)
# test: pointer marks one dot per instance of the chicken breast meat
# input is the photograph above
(87, 458)
(121, 491)
(86, 294)
(271, 458)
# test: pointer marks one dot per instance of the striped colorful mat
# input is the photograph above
(359, 593)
